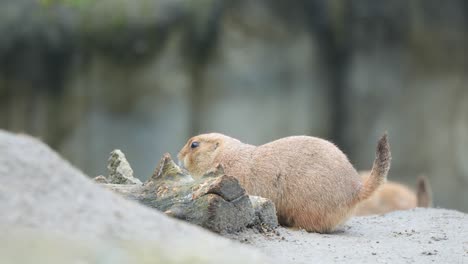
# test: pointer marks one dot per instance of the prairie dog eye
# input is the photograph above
(194, 144)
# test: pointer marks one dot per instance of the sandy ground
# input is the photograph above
(413, 236)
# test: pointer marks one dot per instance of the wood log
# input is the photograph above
(216, 201)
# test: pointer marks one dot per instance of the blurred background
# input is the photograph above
(144, 75)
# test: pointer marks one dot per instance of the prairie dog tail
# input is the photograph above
(379, 171)
(424, 192)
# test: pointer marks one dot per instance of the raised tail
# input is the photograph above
(424, 192)
(379, 171)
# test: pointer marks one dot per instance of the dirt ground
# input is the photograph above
(413, 236)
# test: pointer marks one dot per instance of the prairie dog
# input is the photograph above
(393, 196)
(310, 181)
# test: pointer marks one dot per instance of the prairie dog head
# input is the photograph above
(199, 153)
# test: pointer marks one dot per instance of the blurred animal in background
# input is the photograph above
(393, 196)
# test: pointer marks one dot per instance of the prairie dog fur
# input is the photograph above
(310, 181)
(393, 196)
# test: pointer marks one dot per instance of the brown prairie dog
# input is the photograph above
(310, 181)
(393, 196)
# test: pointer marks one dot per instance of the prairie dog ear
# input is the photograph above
(216, 145)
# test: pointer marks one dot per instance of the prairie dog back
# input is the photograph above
(311, 181)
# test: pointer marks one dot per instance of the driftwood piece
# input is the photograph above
(216, 201)
(120, 171)
(100, 179)
(264, 210)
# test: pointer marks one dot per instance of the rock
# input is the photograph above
(63, 217)
(120, 171)
(265, 211)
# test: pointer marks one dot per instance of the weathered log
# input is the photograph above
(120, 171)
(101, 179)
(216, 201)
(264, 210)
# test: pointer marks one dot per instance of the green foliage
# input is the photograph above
(75, 3)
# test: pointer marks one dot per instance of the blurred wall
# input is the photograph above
(144, 76)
